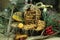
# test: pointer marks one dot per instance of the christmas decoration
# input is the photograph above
(29, 27)
(31, 14)
(49, 30)
(20, 37)
(31, 19)
(20, 25)
(17, 16)
(40, 25)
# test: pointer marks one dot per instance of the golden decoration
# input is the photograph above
(17, 16)
(20, 25)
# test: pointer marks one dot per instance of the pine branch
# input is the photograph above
(41, 37)
(10, 20)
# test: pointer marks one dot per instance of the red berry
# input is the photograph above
(48, 30)
(50, 33)
(50, 27)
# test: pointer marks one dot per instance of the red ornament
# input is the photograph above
(50, 33)
(49, 30)
(50, 27)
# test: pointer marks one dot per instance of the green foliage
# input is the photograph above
(3, 24)
(52, 19)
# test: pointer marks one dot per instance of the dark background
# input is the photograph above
(55, 3)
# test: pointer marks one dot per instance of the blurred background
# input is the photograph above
(55, 3)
